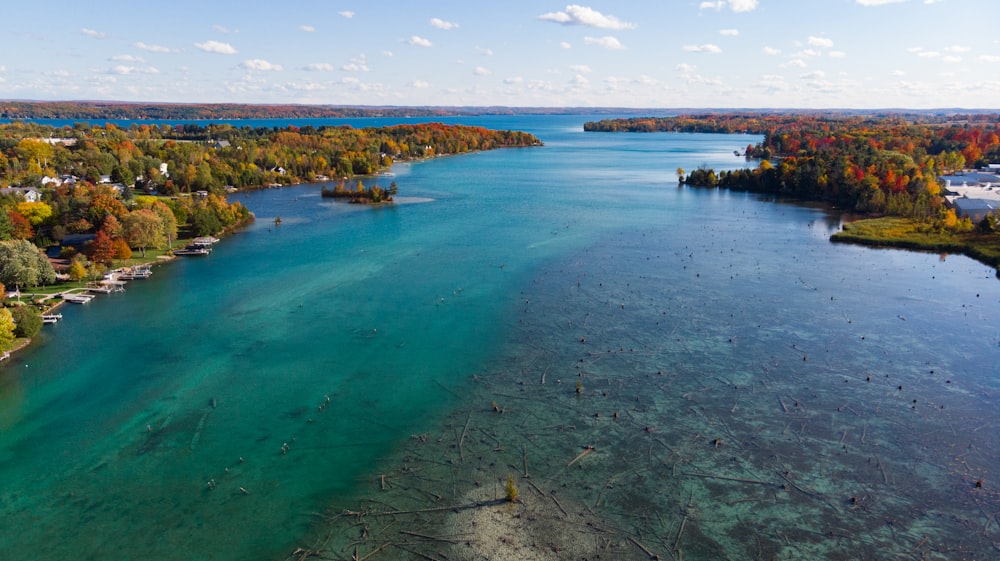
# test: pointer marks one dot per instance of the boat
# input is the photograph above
(193, 249)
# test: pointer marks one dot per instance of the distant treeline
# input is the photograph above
(190, 157)
(880, 164)
(101, 111)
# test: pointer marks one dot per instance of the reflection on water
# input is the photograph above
(671, 372)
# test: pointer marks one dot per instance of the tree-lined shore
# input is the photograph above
(100, 196)
(879, 165)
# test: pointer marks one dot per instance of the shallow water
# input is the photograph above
(777, 396)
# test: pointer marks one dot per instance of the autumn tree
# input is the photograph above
(78, 269)
(22, 229)
(6, 328)
(102, 248)
(143, 228)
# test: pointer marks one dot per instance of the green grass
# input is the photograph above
(915, 234)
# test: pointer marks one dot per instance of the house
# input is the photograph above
(973, 209)
(105, 179)
(973, 195)
(30, 194)
(222, 144)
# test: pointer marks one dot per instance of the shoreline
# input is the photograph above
(60, 302)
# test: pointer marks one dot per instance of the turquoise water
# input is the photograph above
(211, 411)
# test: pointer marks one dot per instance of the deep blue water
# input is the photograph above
(297, 357)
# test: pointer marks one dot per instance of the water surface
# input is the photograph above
(750, 389)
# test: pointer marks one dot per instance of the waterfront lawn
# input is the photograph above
(915, 234)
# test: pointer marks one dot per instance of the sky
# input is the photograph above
(917, 54)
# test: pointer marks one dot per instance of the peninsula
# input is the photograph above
(887, 167)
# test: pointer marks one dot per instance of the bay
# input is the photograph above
(211, 410)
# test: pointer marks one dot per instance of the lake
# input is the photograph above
(690, 373)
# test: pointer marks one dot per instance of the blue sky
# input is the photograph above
(651, 53)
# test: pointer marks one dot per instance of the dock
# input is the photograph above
(51, 318)
(77, 298)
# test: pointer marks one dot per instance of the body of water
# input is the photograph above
(742, 387)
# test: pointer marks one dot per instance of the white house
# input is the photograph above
(30, 194)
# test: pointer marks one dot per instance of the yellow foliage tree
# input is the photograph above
(6, 328)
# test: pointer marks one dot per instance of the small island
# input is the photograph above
(361, 194)
(890, 168)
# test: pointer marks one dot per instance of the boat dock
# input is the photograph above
(77, 298)
(198, 246)
(51, 318)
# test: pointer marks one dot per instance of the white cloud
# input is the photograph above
(898, 73)
(957, 49)
(419, 41)
(737, 6)
(93, 33)
(837, 54)
(815, 75)
(608, 42)
(318, 67)
(484, 52)
(584, 15)
(127, 58)
(565, 45)
(260, 64)
(580, 68)
(307, 28)
(771, 51)
(742, 5)
(795, 63)
(124, 70)
(346, 14)
(822, 42)
(356, 65)
(152, 48)
(514, 80)
(216, 47)
(878, 2)
(686, 68)
(387, 54)
(482, 71)
(914, 49)
(989, 58)
(580, 80)
(729, 32)
(420, 84)
(441, 24)
(706, 48)
(223, 29)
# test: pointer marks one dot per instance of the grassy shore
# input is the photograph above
(913, 234)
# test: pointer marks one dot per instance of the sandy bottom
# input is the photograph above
(539, 527)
